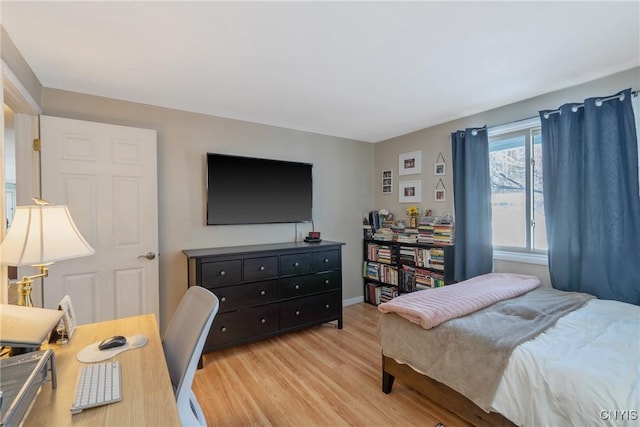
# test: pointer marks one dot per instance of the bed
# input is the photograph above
(501, 350)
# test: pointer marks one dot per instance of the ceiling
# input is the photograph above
(363, 70)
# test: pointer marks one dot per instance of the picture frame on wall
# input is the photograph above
(439, 168)
(409, 163)
(440, 195)
(387, 181)
(409, 192)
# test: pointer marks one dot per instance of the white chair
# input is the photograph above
(182, 342)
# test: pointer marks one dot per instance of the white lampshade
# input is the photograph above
(42, 234)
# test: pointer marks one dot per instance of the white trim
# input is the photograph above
(16, 96)
(352, 301)
(513, 126)
(527, 258)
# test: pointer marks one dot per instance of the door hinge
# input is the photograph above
(37, 144)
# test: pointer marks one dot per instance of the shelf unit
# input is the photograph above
(391, 268)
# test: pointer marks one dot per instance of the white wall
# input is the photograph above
(342, 185)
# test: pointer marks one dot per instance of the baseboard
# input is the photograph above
(352, 301)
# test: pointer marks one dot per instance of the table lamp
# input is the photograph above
(40, 235)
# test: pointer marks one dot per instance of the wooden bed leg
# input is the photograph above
(387, 382)
(387, 379)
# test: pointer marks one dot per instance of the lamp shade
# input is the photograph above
(42, 234)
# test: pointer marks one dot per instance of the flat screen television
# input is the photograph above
(248, 190)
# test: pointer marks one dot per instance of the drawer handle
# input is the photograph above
(296, 286)
(222, 273)
(263, 293)
(262, 268)
(325, 260)
(326, 282)
(263, 320)
(296, 264)
(297, 312)
(223, 329)
(223, 299)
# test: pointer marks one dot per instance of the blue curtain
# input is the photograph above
(592, 206)
(472, 198)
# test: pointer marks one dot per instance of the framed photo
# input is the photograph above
(387, 181)
(69, 316)
(440, 195)
(409, 163)
(409, 192)
(439, 168)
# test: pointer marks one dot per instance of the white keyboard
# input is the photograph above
(98, 384)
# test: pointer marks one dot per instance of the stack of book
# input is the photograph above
(443, 233)
(380, 272)
(383, 234)
(383, 254)
(425, 229)
(437, 231)
(387, 293)
(378, 294)
(415, 279)
(408, 254)
(409, 235)
(436, 259)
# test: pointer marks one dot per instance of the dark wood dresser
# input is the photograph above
(268, 290)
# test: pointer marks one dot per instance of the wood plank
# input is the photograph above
(320, 376)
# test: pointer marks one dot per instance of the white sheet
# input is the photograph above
(583, 371)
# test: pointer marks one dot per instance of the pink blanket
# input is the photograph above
(431, 307)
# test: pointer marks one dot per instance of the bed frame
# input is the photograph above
(439, 393)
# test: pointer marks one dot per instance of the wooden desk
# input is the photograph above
(147, 394)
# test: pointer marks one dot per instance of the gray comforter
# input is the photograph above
(470, 353)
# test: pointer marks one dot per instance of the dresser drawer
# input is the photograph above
(295, 264)
(260, 268)
(301, 311)
(309, 284)
(243, 324)
(235, 297)
(326, 260)
(221, 273)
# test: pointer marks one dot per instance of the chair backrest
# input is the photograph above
(184, 338)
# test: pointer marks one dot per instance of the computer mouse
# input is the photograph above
(115, 341)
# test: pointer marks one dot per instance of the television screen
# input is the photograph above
(247, 190)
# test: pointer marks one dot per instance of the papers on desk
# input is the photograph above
(26, 326)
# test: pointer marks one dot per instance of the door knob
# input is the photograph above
(148, 255)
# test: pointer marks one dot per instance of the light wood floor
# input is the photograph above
(321, 376)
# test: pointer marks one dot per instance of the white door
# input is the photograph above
(107, 176)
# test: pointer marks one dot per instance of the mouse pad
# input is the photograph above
(91, 353)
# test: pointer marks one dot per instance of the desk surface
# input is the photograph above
(147, 394)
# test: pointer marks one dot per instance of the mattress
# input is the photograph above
(583, 371)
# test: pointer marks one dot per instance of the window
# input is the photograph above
(517, 202)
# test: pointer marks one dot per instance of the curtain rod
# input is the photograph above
(598, 103)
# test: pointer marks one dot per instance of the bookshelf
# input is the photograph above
(392, 267)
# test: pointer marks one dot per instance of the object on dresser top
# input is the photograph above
(92, 354)
(313, 237)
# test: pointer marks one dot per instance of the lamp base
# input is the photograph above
(24, 290)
